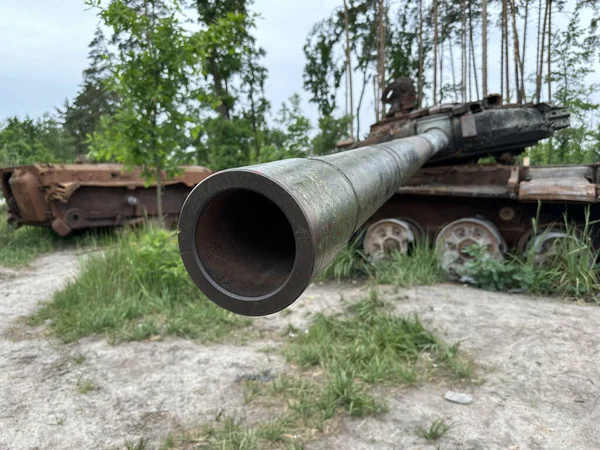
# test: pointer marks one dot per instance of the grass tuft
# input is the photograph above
(420, 267)
(371, 343)
(436, 430)
(569, 269)
(137, 289)
(85, 386)
(350, 263)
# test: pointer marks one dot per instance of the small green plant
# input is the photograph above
(274, 430)
(85, 386)
(344, 391)
(566, 266)
(494, 275)
(251, 390)
(230, 435)
(137, 289)
(79, 358)
(139, 445)
(60, 420)
(436, 430)
(420, 267)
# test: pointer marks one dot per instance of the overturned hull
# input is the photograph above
(78, 196)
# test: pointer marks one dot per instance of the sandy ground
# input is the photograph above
(538, 360)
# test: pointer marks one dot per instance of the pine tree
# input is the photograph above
(81, 118)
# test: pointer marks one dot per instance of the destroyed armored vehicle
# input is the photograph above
(456, 202)
(69, 197)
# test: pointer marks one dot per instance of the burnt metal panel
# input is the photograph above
(76, 196)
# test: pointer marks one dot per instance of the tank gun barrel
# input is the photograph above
(254, 238)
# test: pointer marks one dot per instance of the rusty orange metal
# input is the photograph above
(69, 197)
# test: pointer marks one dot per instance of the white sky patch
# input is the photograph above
(44, 47)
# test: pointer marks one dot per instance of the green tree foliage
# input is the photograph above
(323, 70)
(151, 75)
(81, 118)
(289, 138)
(30, 141)
(573, 55)
(331, 131)
(230, 61)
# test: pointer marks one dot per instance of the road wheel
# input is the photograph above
(455, 238)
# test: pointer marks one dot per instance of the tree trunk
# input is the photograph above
(159, 203)
(506, 59)
(502, 56)
(376, 101)
(484, 74)
(463, 50)
(381, 57)
(453, 71)
(435, 49)
(471, 43)
(524, 46)
(549, 50)
(360, 100)
(349, 69)
(539, 39)
(441, 50)
(154, 119)
(538, 81)
(420, 82)
(517, 57)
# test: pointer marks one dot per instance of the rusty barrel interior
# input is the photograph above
(245, 243)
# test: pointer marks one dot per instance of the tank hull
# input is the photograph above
(509, 197)
(79, 196)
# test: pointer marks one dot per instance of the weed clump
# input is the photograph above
(436, 430)
(567, 267)
(137, 289)
(370, 343)
(419, 267)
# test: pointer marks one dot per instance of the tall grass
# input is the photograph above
(569, 269)
(420, 267)
(137, 289)
(370, 343)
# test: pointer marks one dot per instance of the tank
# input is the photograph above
(456, 202)
(254, 238)
(79, 196)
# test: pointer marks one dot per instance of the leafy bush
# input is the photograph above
(493, 275)
(569, 269)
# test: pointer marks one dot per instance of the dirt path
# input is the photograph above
(538, 360)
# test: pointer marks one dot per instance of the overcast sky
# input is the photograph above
(44, 46)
